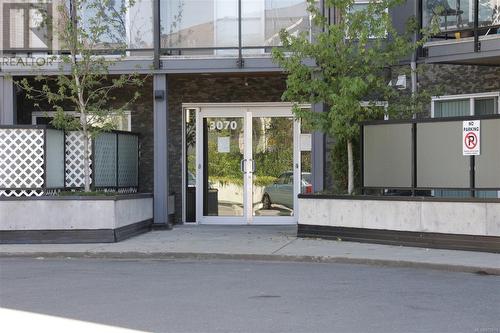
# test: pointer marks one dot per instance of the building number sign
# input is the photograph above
(223, 124)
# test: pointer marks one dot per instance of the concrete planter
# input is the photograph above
(420, 221)
(74, 219)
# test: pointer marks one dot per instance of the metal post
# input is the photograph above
(156, 34)
(138, 163)
(472, 175)
(414, 158)
(477, 45)
(117, 162)
(240, 62)
(361, 157)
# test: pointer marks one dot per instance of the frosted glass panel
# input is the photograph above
(128, 156)
(105, 160)
(55, 158)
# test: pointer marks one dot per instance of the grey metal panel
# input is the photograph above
(490, 44)
(463, 51)
(54, 159)
(440, 162)
(446, 49)
(171, 65)
(161, 186)
(6, 102)
(387, 155)
(479, 58)
(488, 163)
(218, 65)
(141, 66)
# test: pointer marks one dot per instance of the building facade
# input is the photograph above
(217, 143)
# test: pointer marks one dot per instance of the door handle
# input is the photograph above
(242, 165)
(253, 166)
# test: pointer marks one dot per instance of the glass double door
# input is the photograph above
(247, 165)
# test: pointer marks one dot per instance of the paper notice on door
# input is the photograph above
(223, 144)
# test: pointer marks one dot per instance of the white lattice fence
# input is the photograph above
(21, 162)
(25, 172)
(74, 160)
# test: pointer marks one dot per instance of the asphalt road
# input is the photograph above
(230, 296)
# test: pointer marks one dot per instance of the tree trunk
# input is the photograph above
(350, 168)
(86, 161)
(86, 154)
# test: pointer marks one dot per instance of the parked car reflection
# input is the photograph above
(281, 191)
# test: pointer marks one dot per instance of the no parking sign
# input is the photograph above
(471, 138)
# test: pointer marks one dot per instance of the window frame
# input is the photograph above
(25, 7)
(52, 114)
(470, 97)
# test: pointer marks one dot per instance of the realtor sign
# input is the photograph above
(471, 138)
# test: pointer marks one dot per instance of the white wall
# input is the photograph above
(468, 218)
(66, 214)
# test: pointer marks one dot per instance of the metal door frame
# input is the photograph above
(247, 111)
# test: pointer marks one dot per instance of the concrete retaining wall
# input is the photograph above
(463, 218)
(79, 213)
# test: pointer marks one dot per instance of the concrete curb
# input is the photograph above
(131, 255)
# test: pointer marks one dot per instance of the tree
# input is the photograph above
(86, 29)
(352, 68)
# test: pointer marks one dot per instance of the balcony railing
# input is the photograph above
(186, 27)
(464, 17)
(228, 27)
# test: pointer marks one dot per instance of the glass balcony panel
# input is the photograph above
(126, 27)
(139, 25)
(32, 28)
(199, 25)
(262, 20)
(489, 13)
(452, 15)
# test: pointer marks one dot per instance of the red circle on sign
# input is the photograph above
(470, 140)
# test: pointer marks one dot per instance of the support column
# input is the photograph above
(318, 155)
(161, 183)
(6, 102)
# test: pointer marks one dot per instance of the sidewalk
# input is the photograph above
(277, 243)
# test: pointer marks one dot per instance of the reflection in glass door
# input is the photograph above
(223, 167)
(247, 165)
(273, 176)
